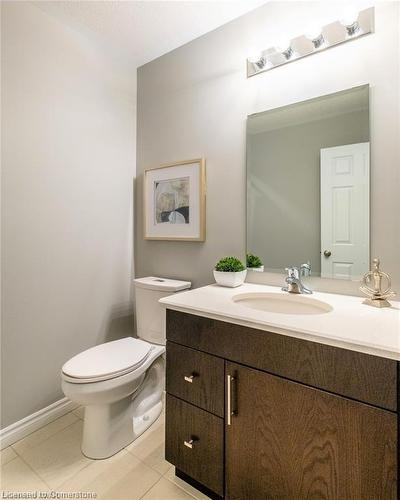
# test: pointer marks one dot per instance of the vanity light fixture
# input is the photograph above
(332, 34)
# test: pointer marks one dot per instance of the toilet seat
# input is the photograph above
(107, 361)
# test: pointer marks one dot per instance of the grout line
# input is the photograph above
(182, 488)
(165, 473)
(19, 455)
(33, 470)
(13, 458)
(57, 488)
(42, 427)
(76, 415)
(133, 455)
(88, 464)
(151, 487)
(48, 437)
(143, 462)
(72, 477)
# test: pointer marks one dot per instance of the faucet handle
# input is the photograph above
(292, 272)
(305, 269)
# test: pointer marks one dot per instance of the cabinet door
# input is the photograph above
(288, 441)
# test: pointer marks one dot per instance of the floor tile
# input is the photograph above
(45, 432)
(79, 412)
(170, 475)
(7, 454)
(170, 467)
(59, 457)
(120, 477)
(149, 448)
(17, 476)
(166, 490)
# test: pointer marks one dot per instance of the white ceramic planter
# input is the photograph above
(256, 269)
(230, 279)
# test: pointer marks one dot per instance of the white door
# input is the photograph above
(345, 211)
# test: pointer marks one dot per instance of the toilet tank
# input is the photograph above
(150, 315)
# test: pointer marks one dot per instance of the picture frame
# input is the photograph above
(174, 201)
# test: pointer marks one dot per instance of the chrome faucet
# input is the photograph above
(293, 279)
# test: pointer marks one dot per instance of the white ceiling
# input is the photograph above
(144, 30)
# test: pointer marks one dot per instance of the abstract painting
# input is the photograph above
(174, 201)
(171, 201)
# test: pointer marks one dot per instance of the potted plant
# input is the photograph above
(230, 271)
(254, 263)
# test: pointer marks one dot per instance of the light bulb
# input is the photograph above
(282, 44)
(302, 46)
(274, 56)
(312, 31)
(254, 56)
(349, 16)
(316, 37)
(350, 20)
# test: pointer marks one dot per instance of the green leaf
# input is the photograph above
(230, 265)
(253, 260)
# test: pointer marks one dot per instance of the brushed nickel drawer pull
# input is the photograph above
(189, 378)
(189, 443)
(229, 410)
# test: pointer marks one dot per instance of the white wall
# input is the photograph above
(68, 158)
(194, 101)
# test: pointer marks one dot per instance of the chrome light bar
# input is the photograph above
(332, 34)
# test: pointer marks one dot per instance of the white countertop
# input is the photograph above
(351, 324)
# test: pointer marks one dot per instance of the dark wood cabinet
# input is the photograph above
(352, 374)
(278, 418)
(194, 443)
(287, 441)
(196, 377)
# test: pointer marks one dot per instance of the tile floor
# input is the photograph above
(50, 459)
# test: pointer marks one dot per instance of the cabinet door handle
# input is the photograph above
(230, 382)
(189, 378)
(189, 443)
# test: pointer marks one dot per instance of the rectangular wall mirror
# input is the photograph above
(308, 192)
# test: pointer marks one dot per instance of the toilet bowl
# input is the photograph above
(121, 402)
(121, 383)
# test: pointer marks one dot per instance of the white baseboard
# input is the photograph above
(31, 423)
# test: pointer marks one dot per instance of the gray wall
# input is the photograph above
(283, 179)
(194, 102)
(68, 158)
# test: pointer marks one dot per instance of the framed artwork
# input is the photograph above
(175, 201)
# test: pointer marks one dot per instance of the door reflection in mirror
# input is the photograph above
(344, 203)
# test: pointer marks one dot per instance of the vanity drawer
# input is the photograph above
(196, 377)
(194, 443)
(366, 378)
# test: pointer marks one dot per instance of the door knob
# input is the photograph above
(327, 253)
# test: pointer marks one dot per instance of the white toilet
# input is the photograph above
(121, 383)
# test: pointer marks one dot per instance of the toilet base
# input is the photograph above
(107, 429)
(141, 424)
(110, 427)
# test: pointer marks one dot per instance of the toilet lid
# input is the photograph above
(108, 359)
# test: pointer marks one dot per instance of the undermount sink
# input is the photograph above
(282, 303)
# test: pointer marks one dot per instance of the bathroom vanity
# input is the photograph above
(277, 396)
(270, 405)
